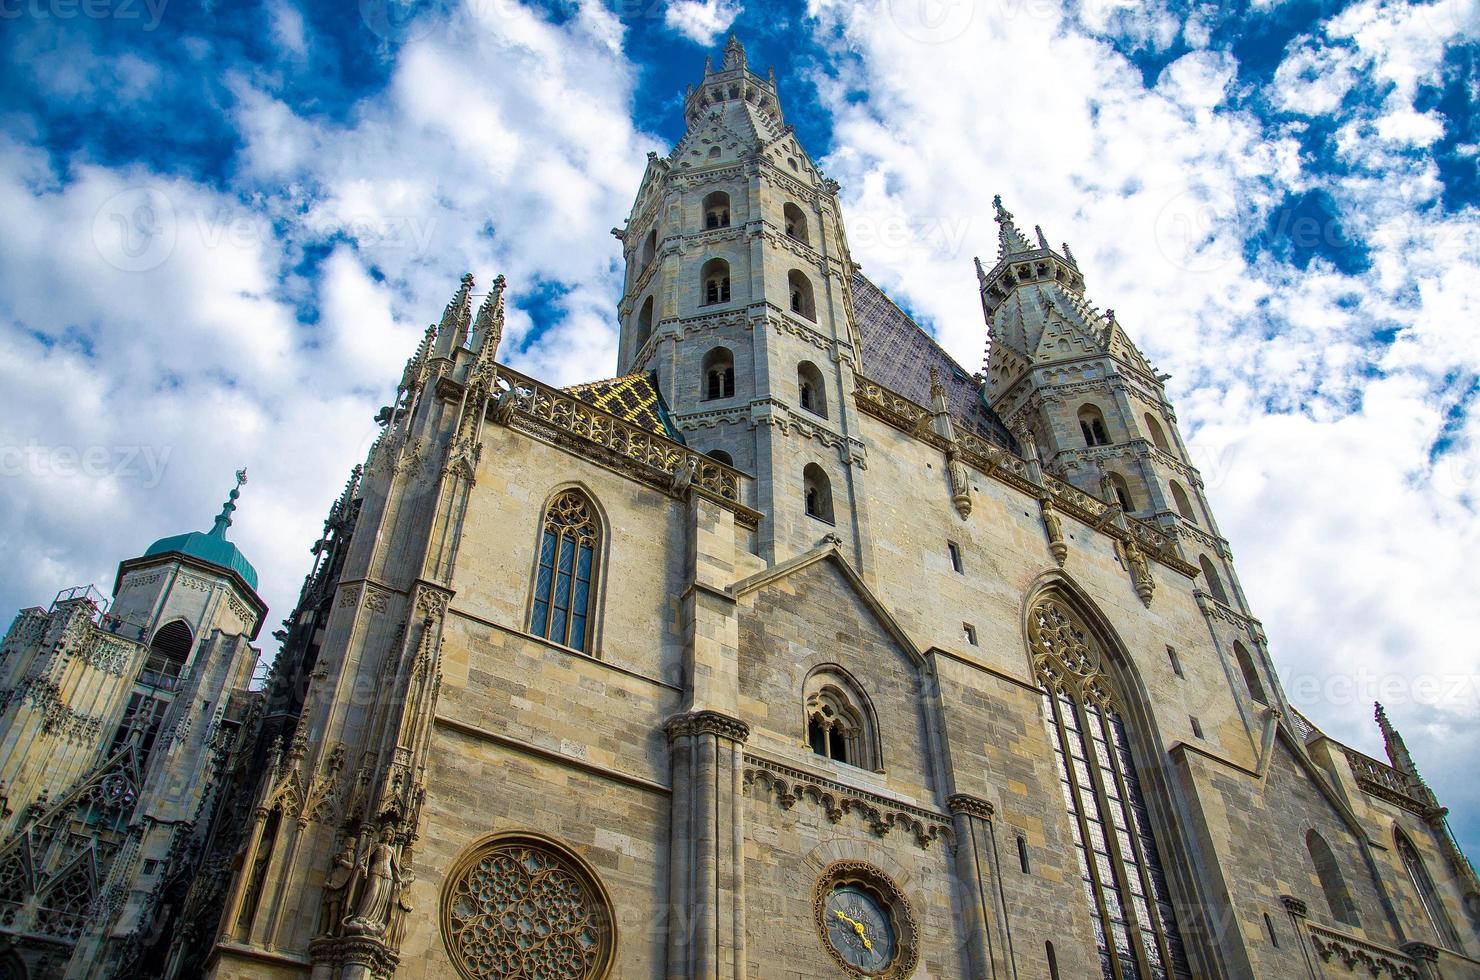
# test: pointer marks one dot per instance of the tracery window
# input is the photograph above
(719, 374)
(1428, 895)
(1119, 865)
(520, 905)
(840, 724)
(566, 577)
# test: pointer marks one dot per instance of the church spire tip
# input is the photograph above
(223, 519)
(1010, 240)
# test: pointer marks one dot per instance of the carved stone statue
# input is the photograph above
(379, 889)
(336, 888)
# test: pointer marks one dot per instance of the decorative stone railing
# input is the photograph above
(1359, 956)
(913, 418)
(566, 418)
(1387, 783)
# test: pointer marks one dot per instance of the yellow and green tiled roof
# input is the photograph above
(633, 398)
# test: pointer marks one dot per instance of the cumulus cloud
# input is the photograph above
(701, 21)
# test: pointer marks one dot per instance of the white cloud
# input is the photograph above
(701, 21)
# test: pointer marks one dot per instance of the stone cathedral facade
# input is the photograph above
(793, 650)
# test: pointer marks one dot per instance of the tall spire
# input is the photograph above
(1397, 752)
(223, 519)
(452, 332)
(734, 53)
(488, 327)
(1010, 241)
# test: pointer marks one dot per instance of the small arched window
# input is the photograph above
(644, 323)
(796, 222)
(1092, 425)
(1181, 501)
(719, 374)
(840, 720)
(1154, 430)
(720, 456)
(1210, 576)
(714, 153)
(650, 248)
(817, 493)
(717, 208)
(1428, 895)
(1122, 493)
(800, 288)
(1251, 674)
(715, 282)
(171, 646)
(565, 579)
(811, 391)
(1328, 872)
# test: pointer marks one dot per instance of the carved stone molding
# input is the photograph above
(432, 602)
(706, 723)
(1387, 783)
(1422, 952)
(368, 952)
(789, 785)
(375, 598)
(349, 594)
(1293, 905)
(970, 805)
(1359, 956)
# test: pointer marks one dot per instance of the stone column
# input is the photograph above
(975, 875)
(706, 928)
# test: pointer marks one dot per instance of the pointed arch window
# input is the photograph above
(811, 389)
(644, 323)
(1119, 864)
(565, 580)
(1428, 895)
(1092, 426)
(1211, 577)
(1158, 436)
(717, 207)
(1251, 674)
(719, 374)
(840, 722)
(1328, 873)
(1183, 504)
(817, 493)
(796, 222)
(716, 282)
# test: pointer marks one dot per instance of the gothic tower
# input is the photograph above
(119, 722)
(738, 301)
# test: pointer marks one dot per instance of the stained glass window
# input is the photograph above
(566, 576)
(1119, 866)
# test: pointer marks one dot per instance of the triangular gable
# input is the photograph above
(124, 793)
(829, 551)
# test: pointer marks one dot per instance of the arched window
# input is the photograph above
(714, 153)
(717, 208)
(1092, 424)
(1251, 675)
(650, 248)
(1428, 895)
(811, 391)
(817, 493)
(1122, 493)
(1181, 502)
(565, 580)
(1154, 430)
(644, 324)
(800, 288)
(1119, 864)
(1210, 576)
(840, 720)
(170, 648)
(796, 222)
(715, 280)
(1338, 899)
(719, 374)
(720, 456)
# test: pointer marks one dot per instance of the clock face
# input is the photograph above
(858, 928)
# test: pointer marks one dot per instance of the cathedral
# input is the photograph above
(793, 650)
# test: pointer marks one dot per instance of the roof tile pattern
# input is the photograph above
(632, 398)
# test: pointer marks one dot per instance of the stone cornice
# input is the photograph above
(789, 785)
(1355, 953)
(706, 723)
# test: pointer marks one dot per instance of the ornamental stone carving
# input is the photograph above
(521, 905)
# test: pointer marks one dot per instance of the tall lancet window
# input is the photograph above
(1427, 893)
(566, 578)
(1119, 866)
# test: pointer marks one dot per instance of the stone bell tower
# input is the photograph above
(738, 300)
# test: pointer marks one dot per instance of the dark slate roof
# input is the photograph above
(633, 398)
(899, 355)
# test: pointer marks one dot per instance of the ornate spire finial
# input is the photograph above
(734, 53)
(937, 390)
(1010, 241)
(1397, 751)
(453, 329)
(1042, 242)
(223, 519)
(1070, 256)
(489, 326)
(708, 65)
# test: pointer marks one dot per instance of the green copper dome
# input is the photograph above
(211, 546)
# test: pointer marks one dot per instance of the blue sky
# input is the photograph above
(226, 224)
